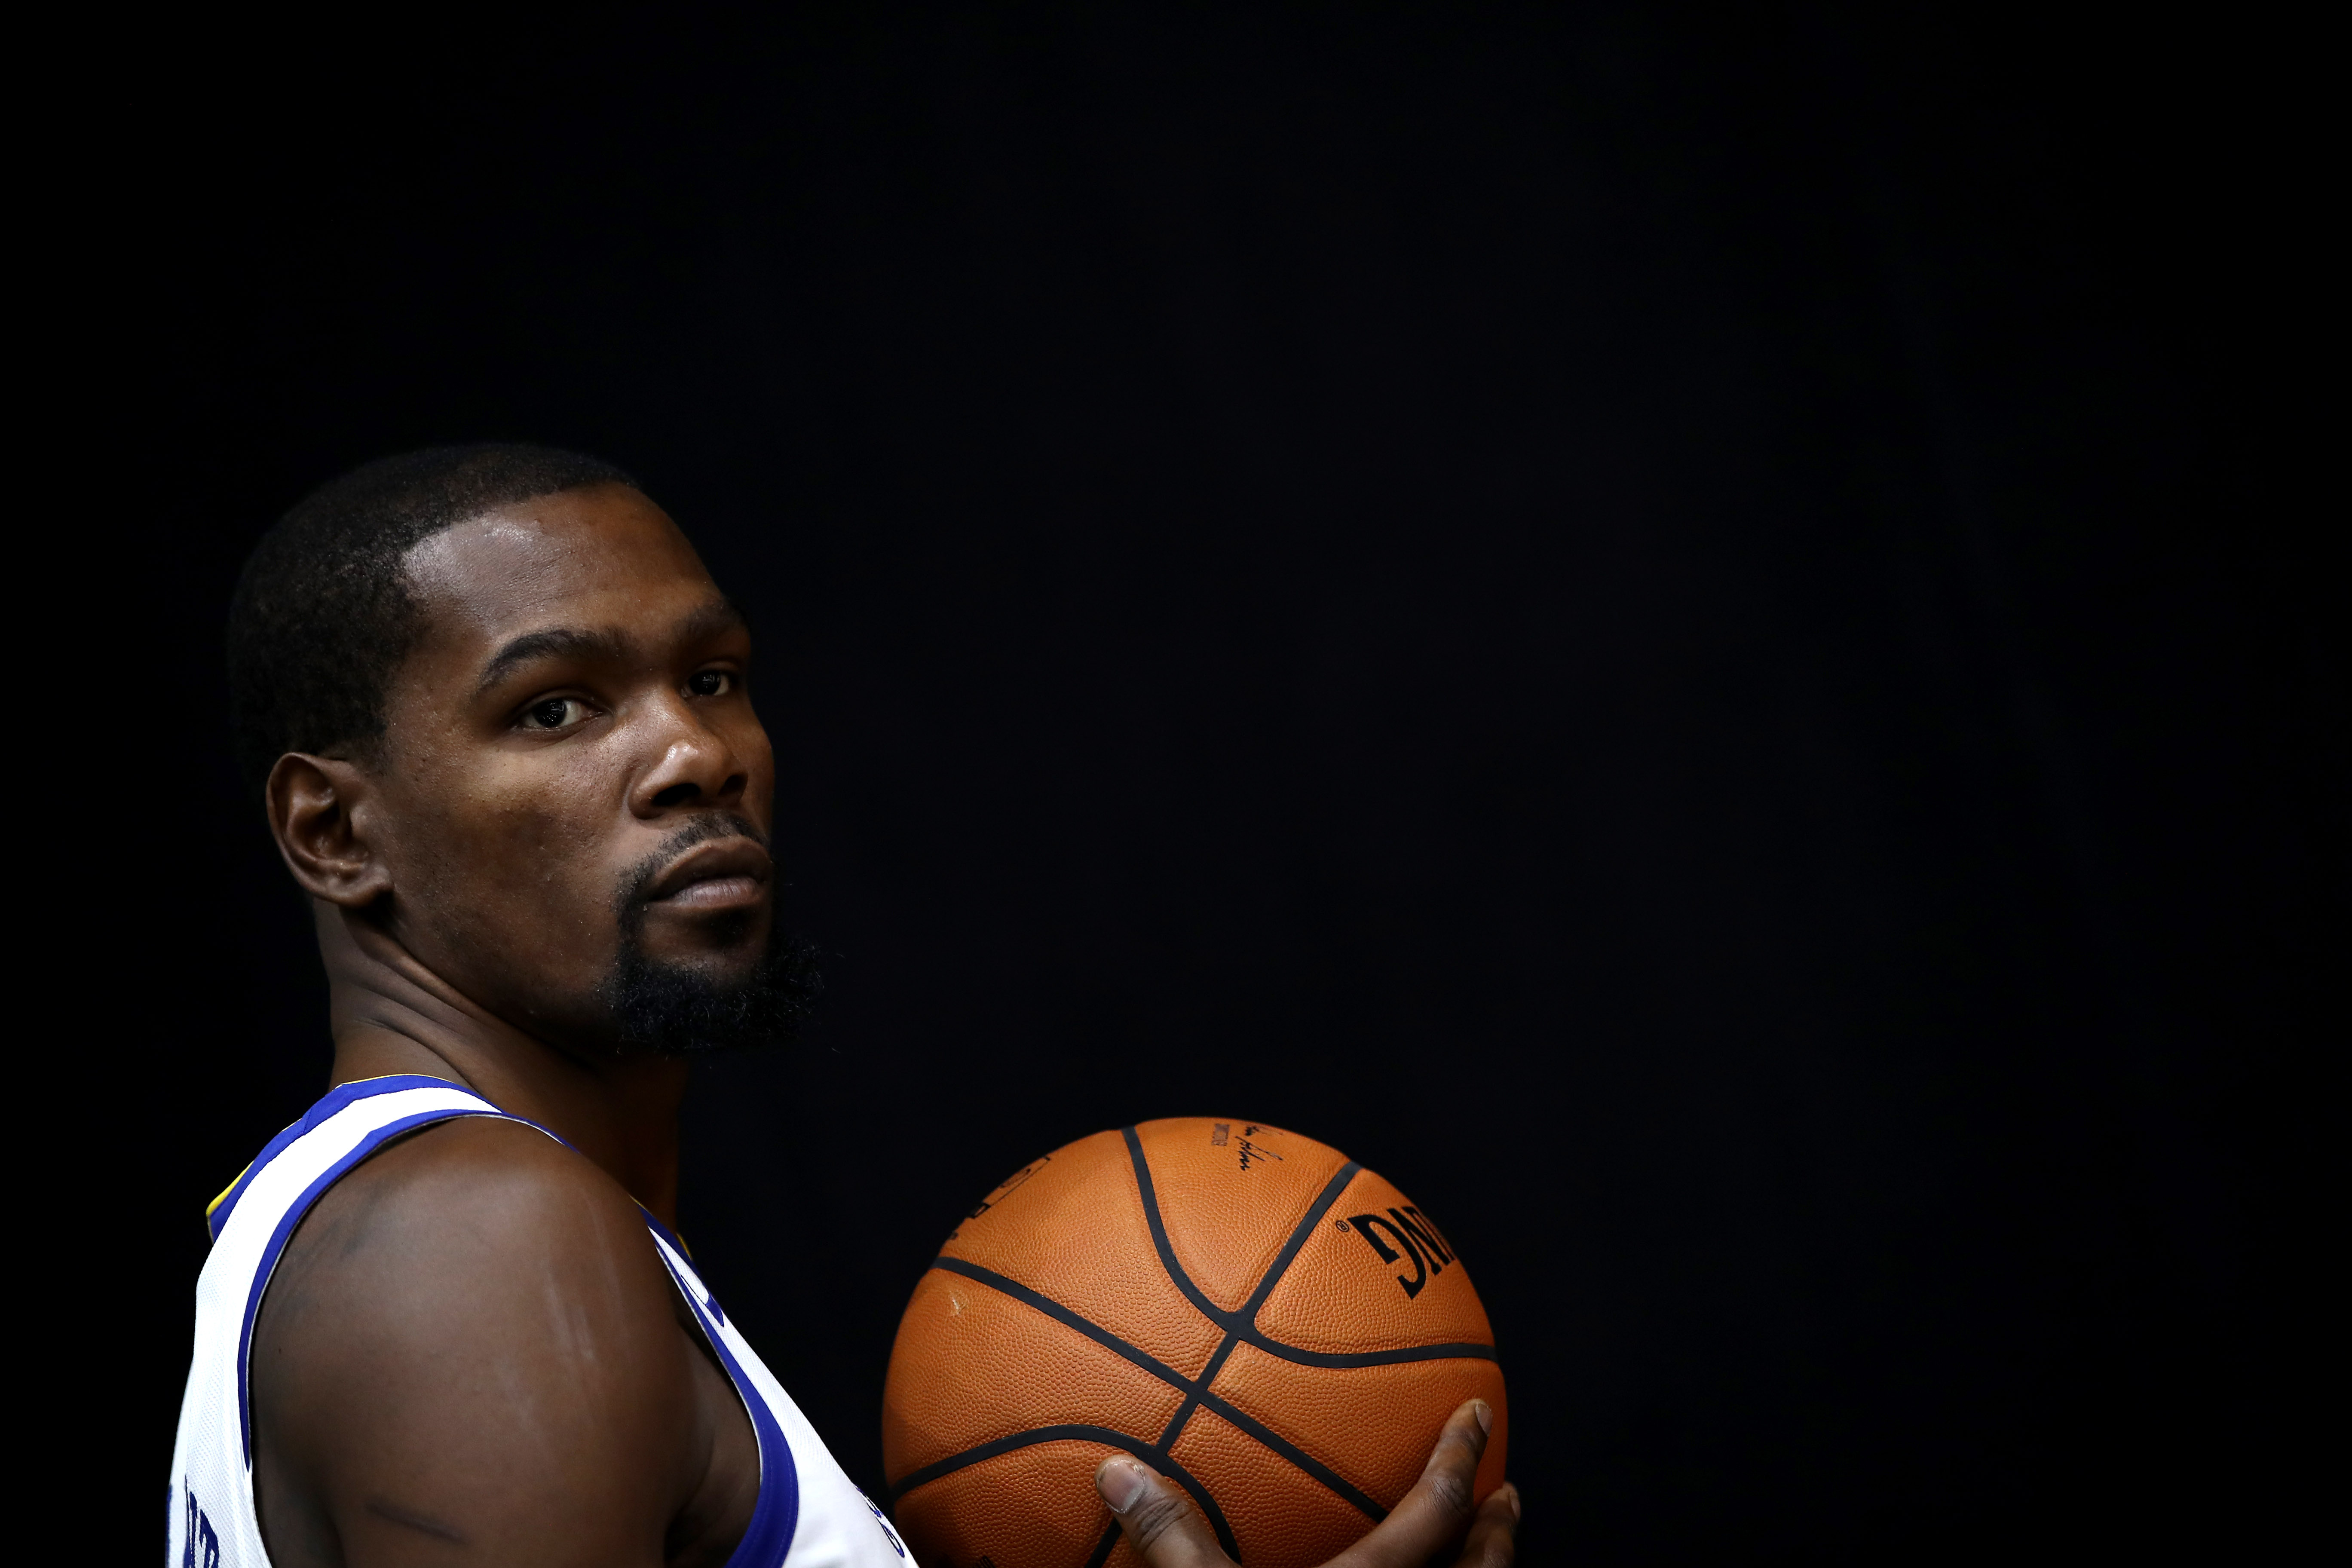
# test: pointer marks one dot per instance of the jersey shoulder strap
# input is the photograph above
(361, 1115)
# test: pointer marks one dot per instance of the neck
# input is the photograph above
(391, 1015)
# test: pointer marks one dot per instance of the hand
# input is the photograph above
(1161, 1521)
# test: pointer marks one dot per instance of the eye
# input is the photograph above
(710, 683)
(555, 713)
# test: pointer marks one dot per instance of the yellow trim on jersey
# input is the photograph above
(380, 1076)
(225, 1191)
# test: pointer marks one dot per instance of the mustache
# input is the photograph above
(631, 900)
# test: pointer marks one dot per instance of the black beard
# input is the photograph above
(678, 1009)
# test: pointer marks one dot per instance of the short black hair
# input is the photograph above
(323, 616)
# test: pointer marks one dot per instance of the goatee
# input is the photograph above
(682, 1009)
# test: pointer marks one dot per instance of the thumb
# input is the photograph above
(1159, 1518)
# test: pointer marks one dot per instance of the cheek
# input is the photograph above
(518, 851)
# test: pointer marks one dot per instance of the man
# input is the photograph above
(504, 723)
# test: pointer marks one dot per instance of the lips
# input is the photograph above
(726, 874)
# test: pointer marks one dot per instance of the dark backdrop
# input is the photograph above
(1681, 631)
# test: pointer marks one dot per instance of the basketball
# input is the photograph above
(1258, 1318)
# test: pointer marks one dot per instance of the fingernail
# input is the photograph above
(1515, 1504)
(1486, 1414)
(1120, 1481)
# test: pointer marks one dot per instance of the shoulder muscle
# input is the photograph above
(470, 1343)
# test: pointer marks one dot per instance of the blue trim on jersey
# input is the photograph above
(777, 1515)
(336, 1099)
(685, 1251)
(310, 1194)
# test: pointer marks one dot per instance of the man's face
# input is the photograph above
(571, 767)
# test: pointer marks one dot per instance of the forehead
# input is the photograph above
(603, 556)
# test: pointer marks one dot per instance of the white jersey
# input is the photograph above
(808, 1515)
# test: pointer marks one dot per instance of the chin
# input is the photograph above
(687, 998)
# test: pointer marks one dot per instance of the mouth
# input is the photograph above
(724, 874)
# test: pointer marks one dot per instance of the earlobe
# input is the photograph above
(316, 808)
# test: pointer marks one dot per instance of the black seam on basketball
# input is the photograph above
(1250, 1331)
(1370, 1358)
(1217, 1362)
(1193, 1391)
(1175, 1428)
(1195, 1394)
(1068, 1318)
(1242, 1327)
(1155, 1457)
(1291, 1248)
(1101, 1553)
(1160, 1241)
(1299, 1457)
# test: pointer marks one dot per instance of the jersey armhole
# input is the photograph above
(776, 1516)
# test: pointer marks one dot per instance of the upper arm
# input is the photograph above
(470, 1350)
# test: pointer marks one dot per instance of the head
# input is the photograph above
(499, 711)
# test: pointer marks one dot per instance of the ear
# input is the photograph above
(318, 814)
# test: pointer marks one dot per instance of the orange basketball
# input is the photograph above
(1255, 1316)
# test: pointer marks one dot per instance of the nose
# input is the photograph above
(696, 765)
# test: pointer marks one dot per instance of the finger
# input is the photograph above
(1495, 1532)
(1159, 1518)
(1433, 1515)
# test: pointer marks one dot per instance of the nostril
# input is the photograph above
(677, 795)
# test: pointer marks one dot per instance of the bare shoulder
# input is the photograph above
(470, 1340)
(455, 1226)
(494, 1196)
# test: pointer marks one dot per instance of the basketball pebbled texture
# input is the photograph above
(1261, 1320)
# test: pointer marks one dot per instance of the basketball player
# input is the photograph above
(504, 723)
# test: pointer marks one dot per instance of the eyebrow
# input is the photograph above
(605, 643)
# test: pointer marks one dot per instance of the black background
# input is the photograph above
(1684, 631)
